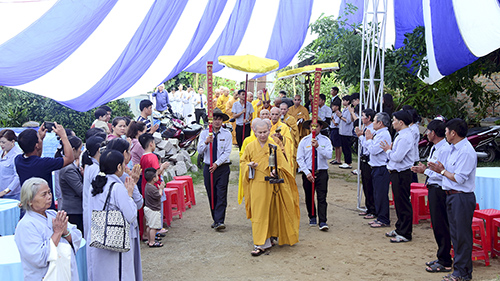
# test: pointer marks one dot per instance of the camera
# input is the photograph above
(49, 126)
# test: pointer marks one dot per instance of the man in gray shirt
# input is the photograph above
(459, 173)
(242, 116)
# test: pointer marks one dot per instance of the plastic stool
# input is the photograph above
(190, 187)
(172, 195)
(419, 205)
(478, 242)
(488, 215)
(181, 186)
(416, 185)
(495, 251)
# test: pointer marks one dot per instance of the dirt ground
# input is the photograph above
(350, 250)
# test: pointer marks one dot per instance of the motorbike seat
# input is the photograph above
(192, 129)
(477, 130)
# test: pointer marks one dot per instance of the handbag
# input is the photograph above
(109, 229)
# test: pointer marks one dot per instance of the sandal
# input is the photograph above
(274, 241)
(156, 244)
(399, 239)
(391, 233)
(258, 251)
(369, 217)
(363, 214)
(451, 277)
(159, 234)
(429, 263)
(373, 221)
(379, 224)
(437, 267)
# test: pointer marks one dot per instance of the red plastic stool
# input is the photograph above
(420, 205)
(488, 215)
(391, 198)
(190, 187)
(181, 186)
(172, 195)
(495, 251)
(478, 242)
(416, 185)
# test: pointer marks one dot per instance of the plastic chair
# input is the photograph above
(182, 187)
(172, 195)
(495, 251)
(479, 251)
(488, 215)
(192, 198)
(420, 205)
(416, 185)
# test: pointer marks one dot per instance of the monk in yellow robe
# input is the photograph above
(291, 122)
(247, 140)
(229, 107)
(222, 99)
(272, 208)
(281, 131)
(257, 104)
(215, 96)
(299, 112)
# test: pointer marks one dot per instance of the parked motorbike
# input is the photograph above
(172, 125)
(485, 140)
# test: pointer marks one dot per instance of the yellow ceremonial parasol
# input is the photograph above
(308, 69)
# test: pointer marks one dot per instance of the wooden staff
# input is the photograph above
(210, 111)
(314, 124)
(245, 113)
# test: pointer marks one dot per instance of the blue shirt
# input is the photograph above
(440, 153)
(238, 107)
(461, 161)
(304, 153)
(378, 157)
(162, 100)
(346, 127)
(224, 146)
(145, 121)
(401, 155)
(8, 174)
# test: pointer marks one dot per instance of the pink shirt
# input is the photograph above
(136, 152)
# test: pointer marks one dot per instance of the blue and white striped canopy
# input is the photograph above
(457, 32)
(86, 53)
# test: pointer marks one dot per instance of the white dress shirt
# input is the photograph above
(401, 155)
(378, 157)
(461, 161)
(440, 153)
(304, 153)
(224, 145)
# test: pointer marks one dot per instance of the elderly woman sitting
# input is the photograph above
(46, 241)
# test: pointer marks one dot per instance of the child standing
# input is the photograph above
(334, 132)
(345, 131)
(152, 207)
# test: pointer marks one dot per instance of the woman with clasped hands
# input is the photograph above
(44, 237)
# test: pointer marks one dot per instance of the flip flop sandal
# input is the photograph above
(363, 214)
(369, 217)
(158, 234)
(156, 245)
(451, 277)
(163, 230)
(436, 267)
(379, 224)
(258, 251)
(399, 239)
(373, 221)
(392, 233)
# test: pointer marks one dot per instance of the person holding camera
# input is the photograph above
(31, 164)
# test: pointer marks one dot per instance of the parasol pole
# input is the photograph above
(210, 110)
(314, 124)
(245, 113)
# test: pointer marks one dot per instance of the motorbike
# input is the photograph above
(485, 141)
(172, 125)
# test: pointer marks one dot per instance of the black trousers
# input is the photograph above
(77, 219)
(221, 180)
(440, 224)
(401, 192)
(366, 177)
(460, 209)
(381, 180)
(239, 132)
(200, 112)
(321, 189)
(346, 148)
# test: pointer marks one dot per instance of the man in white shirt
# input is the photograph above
(320, 177)
(200, 105)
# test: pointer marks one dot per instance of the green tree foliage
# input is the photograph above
(18, 107)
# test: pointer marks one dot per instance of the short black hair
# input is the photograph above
(116, 120)
(283, 92)
(438, 127)
(458, 125)
(355, 96)
(347, 98)
(414, 115)
(370, 113)
(145, 139)
(403, 116)
(100, 112)
(105, 107)
(241, 91)
(145, 104)
(119, 145)
(95, 132)
(149, 174)
(335, 89)
(322, 97)
(27, 140)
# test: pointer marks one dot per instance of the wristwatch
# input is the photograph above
(442, 172)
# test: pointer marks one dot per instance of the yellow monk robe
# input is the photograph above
(287, 141)
(247, 140)
(229, 108)
(257, 108)
(221, 103)
(298, 113)
(272, 208)
(291, 122)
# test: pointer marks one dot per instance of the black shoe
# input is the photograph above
(213, 225)
(220, 226)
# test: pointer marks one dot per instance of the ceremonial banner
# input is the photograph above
(210, 113)
(314, 123)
